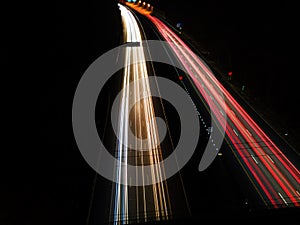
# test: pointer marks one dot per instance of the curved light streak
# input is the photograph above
(133, 203)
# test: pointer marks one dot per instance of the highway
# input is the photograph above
(274, 177)
(134, 202)
(271, 174)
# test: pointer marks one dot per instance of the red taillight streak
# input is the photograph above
(258, 175)
(271, 145)
(217, 113)
(256, 172)
(273, 170)
(170, 39)
(263, 136)
(288, 165)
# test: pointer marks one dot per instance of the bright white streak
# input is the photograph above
(146, 128)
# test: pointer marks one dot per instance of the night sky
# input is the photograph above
(47, 179)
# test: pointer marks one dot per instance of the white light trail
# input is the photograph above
(152, 201)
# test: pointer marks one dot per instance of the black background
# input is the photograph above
(45, 179)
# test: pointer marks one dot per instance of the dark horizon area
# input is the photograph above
(52, 183)
(256, 41)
